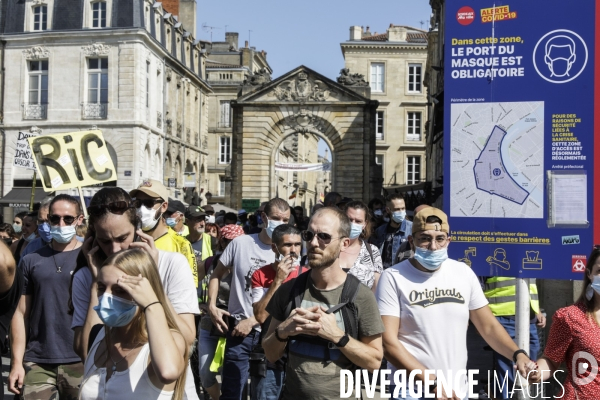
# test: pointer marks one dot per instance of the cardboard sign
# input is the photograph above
(23, 155)
(189, 179)
(74, 159)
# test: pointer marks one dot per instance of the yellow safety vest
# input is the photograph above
(172, 242)
(502, 295)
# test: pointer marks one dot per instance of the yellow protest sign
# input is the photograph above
(74, 159)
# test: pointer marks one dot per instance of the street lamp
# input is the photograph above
(208, 196)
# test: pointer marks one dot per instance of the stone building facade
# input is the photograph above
(394, 63)
(228, 66)
(303, 101)
(127, 67)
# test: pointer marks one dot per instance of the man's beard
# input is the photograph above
(324, 261)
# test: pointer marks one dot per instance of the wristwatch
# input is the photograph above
(343, 341)
(516, 353)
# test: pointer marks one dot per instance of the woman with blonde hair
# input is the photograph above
(140, 353)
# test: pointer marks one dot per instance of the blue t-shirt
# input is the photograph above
(50, 335)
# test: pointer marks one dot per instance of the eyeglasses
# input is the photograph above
(425, 241)
(148, 203)
(322, 237)
(55, 219)
(117, 207)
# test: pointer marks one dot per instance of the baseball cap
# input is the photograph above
(152, 188)
(195, 211)
(242, 212)
(175, 205)
(420, 221)
(231, 231)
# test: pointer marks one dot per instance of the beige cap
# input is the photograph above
(152, 188)
(420, 221)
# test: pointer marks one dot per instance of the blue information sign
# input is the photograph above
(519, 87)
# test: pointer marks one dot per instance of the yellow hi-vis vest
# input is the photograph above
(502, 295)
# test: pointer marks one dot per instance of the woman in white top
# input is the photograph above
(140, 353)
(358, 259)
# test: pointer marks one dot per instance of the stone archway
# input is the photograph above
(264, 117)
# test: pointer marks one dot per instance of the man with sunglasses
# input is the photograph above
(426, 303)
(151, 202)
(244, 255)
(42, 341)
(313, 366)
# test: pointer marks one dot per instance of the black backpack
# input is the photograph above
(346, 305)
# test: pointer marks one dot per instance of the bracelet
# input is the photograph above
(516, 353)
(156, 302)
(279, 338)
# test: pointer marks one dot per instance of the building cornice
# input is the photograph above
(104, 37)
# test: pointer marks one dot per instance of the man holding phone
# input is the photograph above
(287, 246)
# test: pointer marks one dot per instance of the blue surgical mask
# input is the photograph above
(355, 230)
(115, 311)
(30, 237)
(595, 286)
(378, 213)
(271, 227)
(431, 259)
(171, 222)
(44, 232)
(62, 234)
(398, 216)
(17, 228)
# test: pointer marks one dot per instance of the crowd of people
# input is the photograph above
(153, 299)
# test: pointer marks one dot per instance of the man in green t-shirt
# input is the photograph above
(313, 370)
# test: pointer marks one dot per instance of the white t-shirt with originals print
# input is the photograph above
(434, 311)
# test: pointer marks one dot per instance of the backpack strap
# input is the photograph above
(93, 334)
(297, 292)
(347, 306)
(370, 250)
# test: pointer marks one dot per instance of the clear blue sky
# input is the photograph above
(307, 32)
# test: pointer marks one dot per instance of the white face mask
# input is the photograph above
(147, 217)
(210, 219)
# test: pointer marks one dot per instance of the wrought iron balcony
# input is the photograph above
(35, 110)
(94, 110)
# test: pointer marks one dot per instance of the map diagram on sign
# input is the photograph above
(497, 160)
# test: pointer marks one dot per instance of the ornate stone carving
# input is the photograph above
(178, 79)
(159, 119)
(36, 53)
(35, 129)
(348, 79)
(169, 123)
(261, 77)
(179, 129)
(196, 138)
(168, 74)
(204, 142)
(96, 49)
(303, 122)
(301, 89)
(187, 135)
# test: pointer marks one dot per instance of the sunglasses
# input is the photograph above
(148, 203)
(117, 207)
(55, 219)
(322, 237)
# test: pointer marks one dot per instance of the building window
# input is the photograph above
(38, 82)
(413, 170)
(225, 150)
(413, 126)
(97, 99)
(379, 125)
(99, 14)
(414, 78)
(225, 120)
(40, 18)
(221, 186)
(377, 77)
(37, 105)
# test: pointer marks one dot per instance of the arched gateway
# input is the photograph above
(303, 102)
